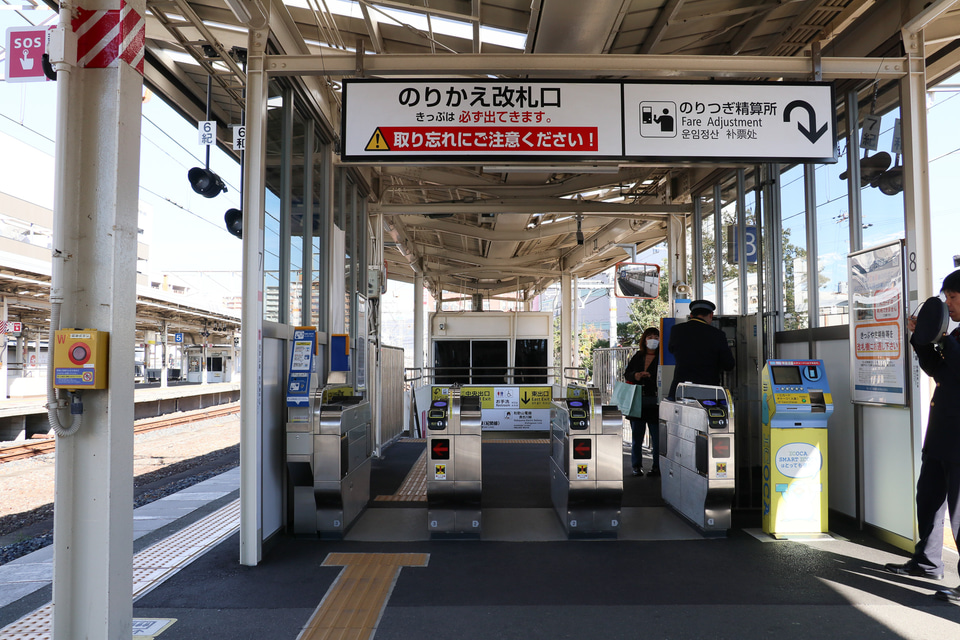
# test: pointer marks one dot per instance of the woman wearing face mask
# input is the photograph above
(642, 370)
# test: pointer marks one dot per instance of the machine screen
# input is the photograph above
(789, 374)
(578, 413)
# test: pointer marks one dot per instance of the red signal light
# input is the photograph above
(582, 449)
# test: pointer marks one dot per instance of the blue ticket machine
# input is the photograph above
(795, 407)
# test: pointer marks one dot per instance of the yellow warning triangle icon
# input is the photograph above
(377, 142)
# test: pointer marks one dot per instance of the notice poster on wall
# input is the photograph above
(877, 325)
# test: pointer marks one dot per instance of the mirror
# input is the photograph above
(638, 280)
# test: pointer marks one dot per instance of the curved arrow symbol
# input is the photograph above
(812, 133)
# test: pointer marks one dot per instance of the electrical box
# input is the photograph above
(80, 359)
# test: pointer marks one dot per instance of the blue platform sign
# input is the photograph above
(178, 338)
(301, 367)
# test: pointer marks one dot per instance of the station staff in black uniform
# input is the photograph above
(700, 349)
(938, 487)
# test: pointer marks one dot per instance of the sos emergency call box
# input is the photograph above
(795, 406)
(80, 359)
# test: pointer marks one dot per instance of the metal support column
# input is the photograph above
(251, 332)
(813, 278)
(677, 261)
(718, 247)
(566, 308)
(916, 199)
(95, 255)
(696, 231)
(418, 321)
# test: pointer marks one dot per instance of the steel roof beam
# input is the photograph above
(573, 65)
(558, 205)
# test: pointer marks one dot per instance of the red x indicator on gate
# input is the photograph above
(440, 449)
(581, 449)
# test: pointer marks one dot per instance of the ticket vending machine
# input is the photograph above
(795, 406)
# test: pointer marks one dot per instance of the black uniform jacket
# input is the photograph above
(942, 440)
(701, 351)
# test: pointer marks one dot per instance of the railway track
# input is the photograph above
(46, 445)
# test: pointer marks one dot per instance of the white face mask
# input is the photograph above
(652, 343)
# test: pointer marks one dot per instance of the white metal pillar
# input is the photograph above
(3, 350)
(916, 200)
(418, 321)
(566, 334)
(95, 263)
(677, 257)
(163, 354)
(251, 332)
(575, 329)
(612, 295)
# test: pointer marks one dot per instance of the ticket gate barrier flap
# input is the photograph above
(586, 465)
(454, 466)
(328, 466)
(697, 456)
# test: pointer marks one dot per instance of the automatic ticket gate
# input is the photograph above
(328, 463)
(794, 410)
(454, 465)
(586, 464)
(697, 456)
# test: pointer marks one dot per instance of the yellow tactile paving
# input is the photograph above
(355, 602)
(414, 487)
(151, 566)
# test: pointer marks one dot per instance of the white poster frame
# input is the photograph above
(878, 336)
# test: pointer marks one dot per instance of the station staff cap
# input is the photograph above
(702, 305)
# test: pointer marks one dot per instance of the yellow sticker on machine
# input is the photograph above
(508, 396)
(792, 398)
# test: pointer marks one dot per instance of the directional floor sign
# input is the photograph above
(741, 121)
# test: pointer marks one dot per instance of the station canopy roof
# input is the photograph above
(500, 230)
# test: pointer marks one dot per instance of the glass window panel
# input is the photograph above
(295, 303)
(451, 361)
(531, 352)
(271, 239)
(882, 217)
(489, 360)
(833, 241)
(730, 282)
(793, 246)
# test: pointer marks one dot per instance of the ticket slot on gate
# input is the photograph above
(454, 484)
(586, 464)
(328, 463)
(697, 456)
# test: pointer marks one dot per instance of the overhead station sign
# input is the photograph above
(756, 121)
(567, 121)
(461, 119)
